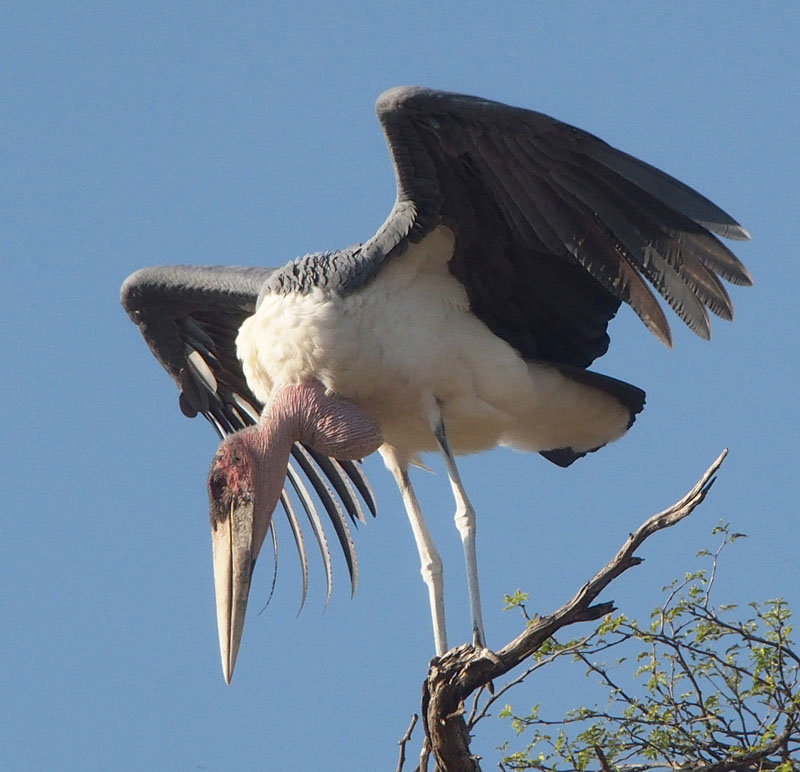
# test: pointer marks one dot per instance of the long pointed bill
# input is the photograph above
(244, 485)
(234, 559)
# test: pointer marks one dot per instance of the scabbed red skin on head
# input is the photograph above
(231, 476)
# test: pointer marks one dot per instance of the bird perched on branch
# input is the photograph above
(467, 321)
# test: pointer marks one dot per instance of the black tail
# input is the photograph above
(631, 397)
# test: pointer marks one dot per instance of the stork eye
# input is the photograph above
(217, 485)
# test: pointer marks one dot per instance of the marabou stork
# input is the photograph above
(467, 321)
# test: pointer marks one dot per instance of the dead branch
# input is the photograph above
(460, 671)
(403, 741)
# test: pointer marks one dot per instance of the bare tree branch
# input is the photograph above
(460, 671)
(404, 741)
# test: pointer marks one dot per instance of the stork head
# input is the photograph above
(243, 489)
(245, 483)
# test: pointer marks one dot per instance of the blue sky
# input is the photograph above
(136, 134)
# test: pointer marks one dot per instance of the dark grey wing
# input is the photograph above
(553, 227)
(190, 317)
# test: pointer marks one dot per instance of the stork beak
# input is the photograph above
(241, 499)
(234, 559)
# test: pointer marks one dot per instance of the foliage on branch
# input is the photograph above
(710, 693)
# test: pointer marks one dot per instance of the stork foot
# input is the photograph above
(482, 653)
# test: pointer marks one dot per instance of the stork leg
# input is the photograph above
(430, 562)
(465, 522)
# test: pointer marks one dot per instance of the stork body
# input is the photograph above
(467, 321)
(407, 342)
(407, 350)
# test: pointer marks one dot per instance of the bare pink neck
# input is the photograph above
(304, 413)
(329, 424)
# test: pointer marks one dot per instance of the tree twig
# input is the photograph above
(403, 741)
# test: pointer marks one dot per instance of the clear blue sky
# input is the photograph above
(135, 134)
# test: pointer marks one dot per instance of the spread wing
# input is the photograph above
(189, 317)
(553, 227)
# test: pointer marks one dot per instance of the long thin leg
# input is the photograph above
(430, 562)
(465, 522)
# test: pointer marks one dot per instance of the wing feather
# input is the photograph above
(297, 533)
(524, 194)
(337, 518)
(296, 481)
